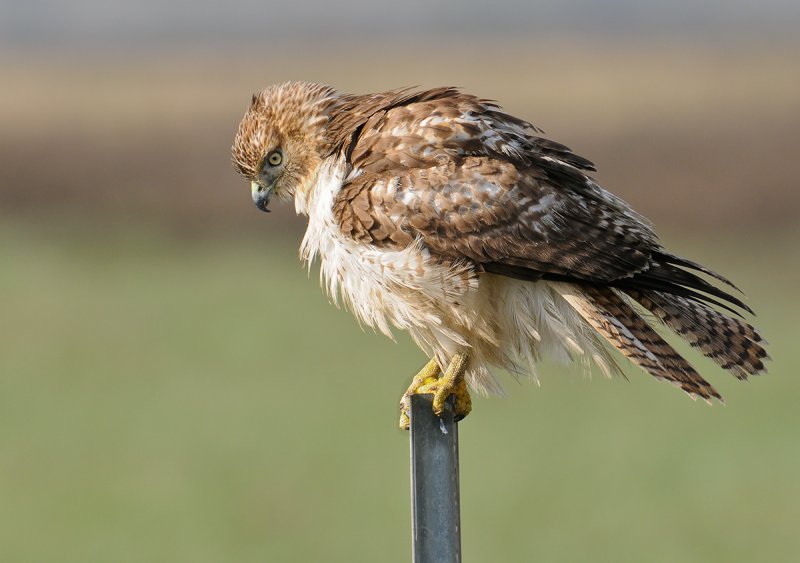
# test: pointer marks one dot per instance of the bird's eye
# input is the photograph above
(274, 158)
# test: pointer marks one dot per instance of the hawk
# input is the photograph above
(435, 212)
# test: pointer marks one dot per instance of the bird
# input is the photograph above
(435, 212)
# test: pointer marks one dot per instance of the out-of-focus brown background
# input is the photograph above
(697, 136)
(174, 387)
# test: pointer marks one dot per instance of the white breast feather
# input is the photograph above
(382, 287)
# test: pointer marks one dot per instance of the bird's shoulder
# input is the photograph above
(407, 128)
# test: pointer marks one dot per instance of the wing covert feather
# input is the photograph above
(489, 212)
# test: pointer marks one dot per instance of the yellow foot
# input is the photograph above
(426, 375)
(450, 383)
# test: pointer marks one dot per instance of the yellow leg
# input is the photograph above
(450, 383)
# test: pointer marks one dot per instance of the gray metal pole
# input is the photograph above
(434, 483)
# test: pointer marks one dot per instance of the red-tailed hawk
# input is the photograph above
(437, 213)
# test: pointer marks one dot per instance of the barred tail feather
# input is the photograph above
(732, 343)
(617, 321)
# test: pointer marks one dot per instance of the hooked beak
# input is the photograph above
(261, 195)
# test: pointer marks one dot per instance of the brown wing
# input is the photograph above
(499, 217)
(477, 184)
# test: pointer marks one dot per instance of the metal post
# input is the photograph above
(435, 503)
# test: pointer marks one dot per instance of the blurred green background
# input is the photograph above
(175, 387)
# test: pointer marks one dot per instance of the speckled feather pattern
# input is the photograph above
(436, 212)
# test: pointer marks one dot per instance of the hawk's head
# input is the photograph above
(281, 140)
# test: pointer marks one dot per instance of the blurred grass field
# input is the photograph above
(197, 400)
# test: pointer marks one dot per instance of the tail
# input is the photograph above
(605, 310)
(732, 343)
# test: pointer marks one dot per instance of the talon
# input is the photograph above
(442, 386)
(405, 421)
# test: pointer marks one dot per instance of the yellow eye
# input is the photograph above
(274, 158)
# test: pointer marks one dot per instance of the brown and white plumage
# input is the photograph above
(437, 213)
